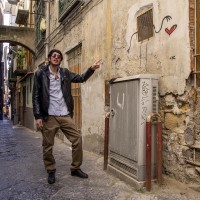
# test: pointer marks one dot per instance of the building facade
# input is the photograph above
(131, 37)
(19, 55)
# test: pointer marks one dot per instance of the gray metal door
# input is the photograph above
(123, 123)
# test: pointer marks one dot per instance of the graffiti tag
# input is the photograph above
(144, 100)
(172, 58)
(121, 105)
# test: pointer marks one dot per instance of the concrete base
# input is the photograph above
(124, 177)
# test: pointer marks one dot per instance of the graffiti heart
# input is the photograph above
(171, 30)
(168, 31)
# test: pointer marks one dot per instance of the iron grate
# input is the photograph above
(154, 107)
(123, 167)
(145, 25)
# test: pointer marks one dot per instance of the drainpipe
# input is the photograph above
(47, 30)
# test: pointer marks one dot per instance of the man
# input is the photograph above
(53, 110)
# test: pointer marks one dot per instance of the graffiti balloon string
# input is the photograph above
(167, 18)
(130, 41)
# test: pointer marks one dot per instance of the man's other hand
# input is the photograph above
(39, 124)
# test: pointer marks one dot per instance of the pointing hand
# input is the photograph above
(97, 64)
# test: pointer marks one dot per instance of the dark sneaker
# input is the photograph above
(51, 178)
(79, 173)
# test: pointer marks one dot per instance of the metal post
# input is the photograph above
(106, 140)
(159, 153)
(157, 117)
(148, 156)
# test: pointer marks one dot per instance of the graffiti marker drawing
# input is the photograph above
(167, 18)
(168, 31)
(130, 41)
(121, 105)
(172, 57)
(144, 100)
(171, 30)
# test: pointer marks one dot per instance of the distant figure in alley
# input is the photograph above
(53, 110)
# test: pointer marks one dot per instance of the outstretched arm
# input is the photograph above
(76, 78)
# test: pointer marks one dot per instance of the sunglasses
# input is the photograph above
(56, 56)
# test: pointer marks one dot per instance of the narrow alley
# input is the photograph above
(23, 176)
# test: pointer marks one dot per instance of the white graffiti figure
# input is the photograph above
(121, 105)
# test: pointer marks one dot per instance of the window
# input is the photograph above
(40, 6)
(66, 7)
(145, 25)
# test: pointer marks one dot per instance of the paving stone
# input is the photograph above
(23, 177)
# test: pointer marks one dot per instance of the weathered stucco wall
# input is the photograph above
(94, 29)
(165, 53)
(88, 29)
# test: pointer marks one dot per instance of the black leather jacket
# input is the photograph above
(40, 96)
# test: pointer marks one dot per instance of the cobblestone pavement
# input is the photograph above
(22, 174)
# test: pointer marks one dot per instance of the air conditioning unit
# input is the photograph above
(133, 98)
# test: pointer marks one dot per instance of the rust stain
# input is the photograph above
(195, 99)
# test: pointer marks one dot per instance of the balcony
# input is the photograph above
(25, 76)
(13, 2)
(20, 72)
(20, 63)
(22, 17)
(65, 7)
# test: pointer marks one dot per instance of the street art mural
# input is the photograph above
(168, 30)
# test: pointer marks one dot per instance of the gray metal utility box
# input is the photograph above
(133, 98)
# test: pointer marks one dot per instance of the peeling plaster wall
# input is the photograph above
(94, 29)
(167, 53)
(164, 53)
(88, 28)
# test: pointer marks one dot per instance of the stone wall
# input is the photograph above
(180, 114)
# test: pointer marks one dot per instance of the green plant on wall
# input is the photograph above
(21, 56)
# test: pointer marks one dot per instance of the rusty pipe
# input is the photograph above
(159, 153)
(148, 156)
(106, 140)
(154, 116)
(157, 117)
